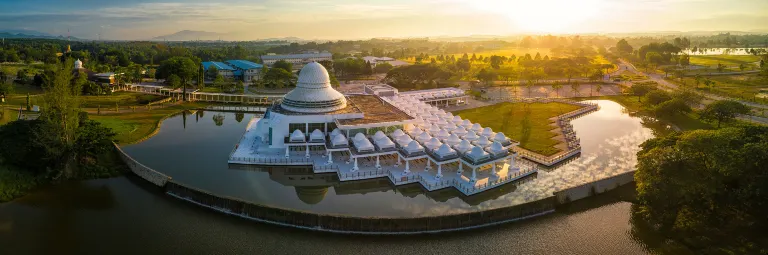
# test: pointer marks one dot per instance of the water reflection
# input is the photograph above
(196, 154)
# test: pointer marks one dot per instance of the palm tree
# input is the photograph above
(575, 87)
(557, 86)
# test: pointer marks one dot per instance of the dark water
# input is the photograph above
(126, 215)
(196, 154)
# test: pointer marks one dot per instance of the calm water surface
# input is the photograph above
(126, 215)
(196, 154)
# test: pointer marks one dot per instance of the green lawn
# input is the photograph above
(735, 86)
(729, 60)
(132, 127)
(26, 89)
(122, 98)
(8, 115)
(527, 123)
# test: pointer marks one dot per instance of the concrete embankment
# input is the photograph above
(593, 188)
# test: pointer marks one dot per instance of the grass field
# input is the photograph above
(8, 115)
(132, 127)
(527, 123)
(734, 86)
(728, 60)
(121, 98)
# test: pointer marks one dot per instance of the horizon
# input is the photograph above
(237, 20)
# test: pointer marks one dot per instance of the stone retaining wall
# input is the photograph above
(593, 188)
(339, 223)
(143, 171)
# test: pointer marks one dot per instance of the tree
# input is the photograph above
(382, 67)
(653, 58)
(742, 66)
(720, 67)
(239, 87)
(575, 87)
(623, 47)
(704, 189)
(486, 76)
(219, 82)
(671, 108)
(278, 78)
(173, 81)
(641, 89)
(656, 97)
(211, 73)
(723, 111)
(183, 67)
(557, 86)
(282, 64)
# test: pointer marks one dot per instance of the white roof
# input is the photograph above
(477, 128)
(445, 150)
(463, 146)
(361, 142)
(335, 132)
(314, 88)
(297, 135)
(416, 132)
(433, 143)
(434, 129)
(359, 137)
(379, 135)
(424, 137)
(316, 134)
(384, 143)
(477, 153)
(404, 140)
(487, 132)
(413, 146)
(471, 136)
(339, 140)
(466, 124)
(499, 137)
(398, 133)
(453, 139)
(496, 148)
(482, 141)
(457, 119)
(442, 134)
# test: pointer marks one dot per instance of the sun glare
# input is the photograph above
(546, 16)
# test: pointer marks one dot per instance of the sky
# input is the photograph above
(346, 19)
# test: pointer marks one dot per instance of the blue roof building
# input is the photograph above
(244, 64)
(218, 65)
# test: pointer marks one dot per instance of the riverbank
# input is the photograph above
(134, 127)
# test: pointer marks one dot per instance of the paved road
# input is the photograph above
(658, 78)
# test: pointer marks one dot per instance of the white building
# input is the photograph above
(317, 121)
(298, 60)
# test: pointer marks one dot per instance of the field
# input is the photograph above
(527, 123)
(735, 86)
(132, 127)
(508, 52)
(121, 98)
(8, 115)
(728, 60)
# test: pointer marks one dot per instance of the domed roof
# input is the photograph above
(413, 146)
(496, 147)
(477, 153)
(398, 133)
(313, 92)
(311, 195)
(499, 137)
(464, 146)
(78, 64)
(445, 150)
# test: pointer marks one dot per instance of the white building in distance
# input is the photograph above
(298, 60)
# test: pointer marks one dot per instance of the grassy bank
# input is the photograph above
(690, 121)
(527, 123)
(15, 183)
(135, 126)
(121, 98)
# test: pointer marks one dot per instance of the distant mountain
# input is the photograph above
(23, 33)
(190, 35)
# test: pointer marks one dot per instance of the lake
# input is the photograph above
(126, 215)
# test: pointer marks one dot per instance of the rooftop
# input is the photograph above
(307, 55)
(218, 65)
(374, 110)
(244, 64)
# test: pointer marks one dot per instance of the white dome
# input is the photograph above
(499, 137)
(464, 146)
(424, 137)
(482, 141)
(379, 135)
(313, 92)
(477, 128)
(78, 64)
(453, 140)
(477, 153)
(487, 132)
(413, 146)
(359, 137)
(496, 148)
(316, 134)
(471, 136)
(339, 139)
(459, 131)
(445, 150)
(398, 133)
(335, 132)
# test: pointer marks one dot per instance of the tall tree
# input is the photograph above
(723, 111)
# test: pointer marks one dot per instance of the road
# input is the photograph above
(658, 78)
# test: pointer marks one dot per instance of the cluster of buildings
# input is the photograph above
(298, 60)
(107, 78)
(407, 130)
(243, 70)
